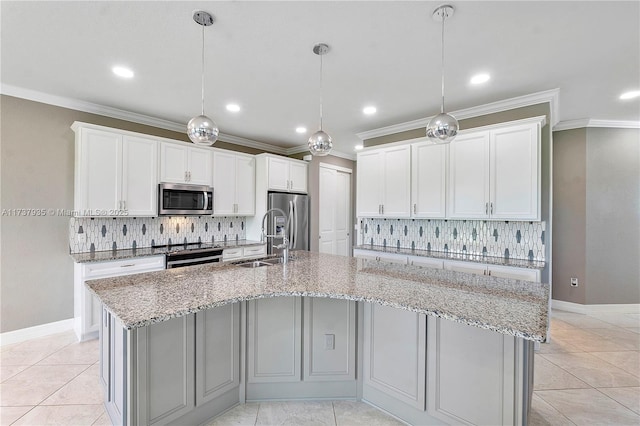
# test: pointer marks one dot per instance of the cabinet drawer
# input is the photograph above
(234, 253)
(255, 251)
(122, 267)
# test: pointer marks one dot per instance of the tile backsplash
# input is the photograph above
(102, 234)
(516, 240)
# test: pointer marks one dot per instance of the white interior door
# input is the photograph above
(335, 210)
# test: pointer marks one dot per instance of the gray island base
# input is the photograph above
(182, 346)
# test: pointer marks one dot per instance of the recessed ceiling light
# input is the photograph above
(369, 110)
(480, 78)
(233, 107)
(358, 147)
(301, 129)
(630, 95)
(122, 72)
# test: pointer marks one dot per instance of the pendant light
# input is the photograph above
(201, 129)
(320, 143)
(442, 128)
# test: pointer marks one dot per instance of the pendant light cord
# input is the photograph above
(320, 90)
(444, 14)
(202, 77)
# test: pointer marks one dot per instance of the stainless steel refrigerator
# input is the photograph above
(295, 206)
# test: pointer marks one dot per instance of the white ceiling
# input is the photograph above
(383, 53)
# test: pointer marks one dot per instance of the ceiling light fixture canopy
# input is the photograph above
(442, 128)
(201, 129)
(320, 142)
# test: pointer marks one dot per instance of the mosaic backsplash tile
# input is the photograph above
(515, 240)
(125, 233)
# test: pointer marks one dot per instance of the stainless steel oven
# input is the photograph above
(175, 199)
(179, 255)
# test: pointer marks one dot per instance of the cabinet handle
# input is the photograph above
(383, 209)
(491, 213)
(415, 208)
(186, 176)
(486, 208)
(128, 265)
(189, 176)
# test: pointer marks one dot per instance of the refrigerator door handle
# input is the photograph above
(295, 226)
(291, 231)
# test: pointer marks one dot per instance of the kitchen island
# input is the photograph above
(428, 346)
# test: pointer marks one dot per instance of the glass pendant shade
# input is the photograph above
(202, 130)
(320, 144)
(442, 128)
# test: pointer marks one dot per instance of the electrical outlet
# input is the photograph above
(82, 238)
(574, 282)
(329, 342)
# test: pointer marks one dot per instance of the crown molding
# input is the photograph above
(75, 104)
(550, 96)
(587, 122)
(304, 148)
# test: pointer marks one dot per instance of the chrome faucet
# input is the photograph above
(285, 241)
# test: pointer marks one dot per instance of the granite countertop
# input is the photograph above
(102, 256)
(513, 307)
(477, 258)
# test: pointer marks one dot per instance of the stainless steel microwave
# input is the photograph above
(175, 199)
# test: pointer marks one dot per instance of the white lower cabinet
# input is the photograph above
(394, 356)
(474, 375)
(240, 253)
(87, 309)
(493, 270)
(380, 256)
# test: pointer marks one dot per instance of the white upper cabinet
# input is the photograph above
(428, 180)
(283, 174)
(495, 173)
(114, 173)
(469, 176)
(515, 173)
(234, 185)
(181, 163)
(384, 182)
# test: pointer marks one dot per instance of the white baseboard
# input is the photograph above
(42, 330)
(632, 308)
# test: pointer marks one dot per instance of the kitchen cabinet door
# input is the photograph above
(428, 180)
(245, 178)
(173, 163)
(278, 170)
(185, 164)
(394, 356)
(224, 183)
(396, 182)
(369, 184)
(298, 177)
(467, 267)
(218, 355)
(140, 176)
(515, 273)
(274, 345)
(469, 176)
(515, 176)
(98, 177)
(199, 166)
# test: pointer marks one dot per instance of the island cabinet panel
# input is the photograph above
(472, 375)
(164, 365)
(329, 339)
(394, 357)
(113, 371)
(217, 352)
(274, 340)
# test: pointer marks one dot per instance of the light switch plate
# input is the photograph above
(329, 342)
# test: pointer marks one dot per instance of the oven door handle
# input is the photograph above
(193, 260)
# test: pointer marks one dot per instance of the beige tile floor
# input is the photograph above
(588, 375)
